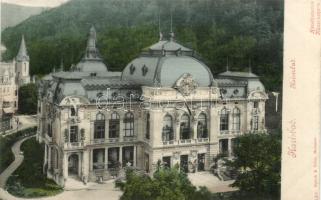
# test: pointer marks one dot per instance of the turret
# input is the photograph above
(22, 64)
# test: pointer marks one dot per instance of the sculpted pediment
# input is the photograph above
(257, 95)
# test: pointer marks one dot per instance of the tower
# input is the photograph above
(22, 64)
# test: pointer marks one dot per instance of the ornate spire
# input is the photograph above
(159, 28)
(61, 68)
(227, 66)
(92, 52)
(22, 54)
(172, 35)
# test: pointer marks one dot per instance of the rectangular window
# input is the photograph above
(129, 129)
(98, 158)
(128, 156)
(224, 122)
(99, 132)
(73, 134)
(114, 128)
(223, 145)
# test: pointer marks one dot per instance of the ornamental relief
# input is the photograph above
(186, 85)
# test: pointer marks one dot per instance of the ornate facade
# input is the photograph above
(165, 105)
(12, 75)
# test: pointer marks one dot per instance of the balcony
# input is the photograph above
(185, 141)
(73, 145)
(202, 140)
(129, 139)
(169, 142)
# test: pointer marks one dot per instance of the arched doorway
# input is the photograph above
(73, 161)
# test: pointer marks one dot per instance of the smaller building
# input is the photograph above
(12, 75)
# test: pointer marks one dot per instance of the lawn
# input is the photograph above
(6, 155)
(28, 180)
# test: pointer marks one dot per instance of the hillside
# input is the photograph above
(241, 30)
(12, 14)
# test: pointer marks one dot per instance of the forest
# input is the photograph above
(249, 33)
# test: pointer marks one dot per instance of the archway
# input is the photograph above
(73, 161)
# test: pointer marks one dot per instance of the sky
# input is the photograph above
(36, 3)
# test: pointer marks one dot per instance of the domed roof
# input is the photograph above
(91, 62)
(163, 63)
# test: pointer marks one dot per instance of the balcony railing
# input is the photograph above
(201, 140)
(129, 139)
(73, 145)
(168, 142)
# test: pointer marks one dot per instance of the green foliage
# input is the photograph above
(238, 29)
(22, 184)
(28, 99)
(166, 184)
(6, 155)
(258, 161)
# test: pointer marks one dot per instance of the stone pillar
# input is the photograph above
(85, 163)
(45, 160)
(121, 155)
(65, 165)
(229, 147)
(49, 158)
(106, 158)
(91, 160)
(134, 159)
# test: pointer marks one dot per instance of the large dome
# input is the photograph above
(163, 63)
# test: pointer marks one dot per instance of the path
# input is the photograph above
(15, 164)
(25, 121)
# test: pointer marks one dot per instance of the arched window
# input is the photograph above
(99, 130)
(114, 124)
(185, 132)
(168, 133)
(224, 120)
(147, 126)
(202, 126)
(129, 124)
(236, 119)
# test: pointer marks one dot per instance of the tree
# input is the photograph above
(28, 99)
(166, 184)
(258, 162)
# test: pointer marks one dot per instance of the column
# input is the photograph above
(85, 163)
(121, 155)
(229, 143)
(91, 160)
(65, 165)
(134, 159)
(106, 158)
(49, 157)
(45, 160)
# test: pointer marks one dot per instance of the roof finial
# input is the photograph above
(159, 28)
(172, 35)
(61, 65)
(250, 67)
(22, 54)
(227, 66)
(92, 52)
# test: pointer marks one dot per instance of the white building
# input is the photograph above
(12, 75)
(165, 105)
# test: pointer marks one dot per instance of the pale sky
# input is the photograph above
(41, 3)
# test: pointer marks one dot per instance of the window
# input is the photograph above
(98, 158)
(73, 134)
(224, 120)
(255, 104)
(185, 132)
(168, 134)
(255, 122)
(223, 145)
(114, 125)
(202, 126)
(128, 156)
(72, 111)
(49, 131)
(99, 126)
(236, 119)
(129, 124)
(147, 126)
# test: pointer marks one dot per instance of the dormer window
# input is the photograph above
(132, 69)
(144, 70)
(73, 112)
